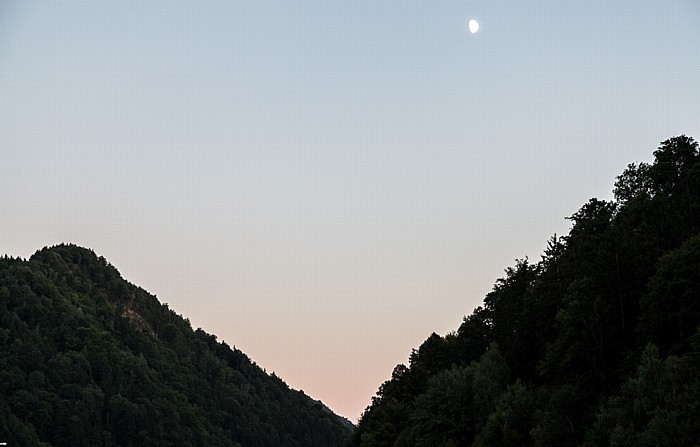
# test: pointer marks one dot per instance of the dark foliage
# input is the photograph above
(88, 359)
(597, 344)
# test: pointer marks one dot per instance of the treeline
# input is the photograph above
(597, 344)
(88, 359)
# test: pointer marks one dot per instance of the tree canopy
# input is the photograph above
(597, 344)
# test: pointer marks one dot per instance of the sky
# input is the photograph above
(323, 184)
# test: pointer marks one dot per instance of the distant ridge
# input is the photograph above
(87, 359)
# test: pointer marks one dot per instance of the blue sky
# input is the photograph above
(325, 183)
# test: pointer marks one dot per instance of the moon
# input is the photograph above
(473, 26)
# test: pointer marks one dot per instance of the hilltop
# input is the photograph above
(87, 358)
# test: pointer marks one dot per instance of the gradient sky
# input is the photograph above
(324, 183)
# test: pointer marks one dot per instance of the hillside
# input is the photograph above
(88, 359)
(596, 344)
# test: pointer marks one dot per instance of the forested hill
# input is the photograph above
(597, 344)
(88, 359)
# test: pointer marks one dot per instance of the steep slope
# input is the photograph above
(597, 344)
(88, 359)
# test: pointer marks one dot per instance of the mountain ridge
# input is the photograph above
(87, 358)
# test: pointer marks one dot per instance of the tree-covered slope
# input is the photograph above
(88, 359)
(597, 344)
